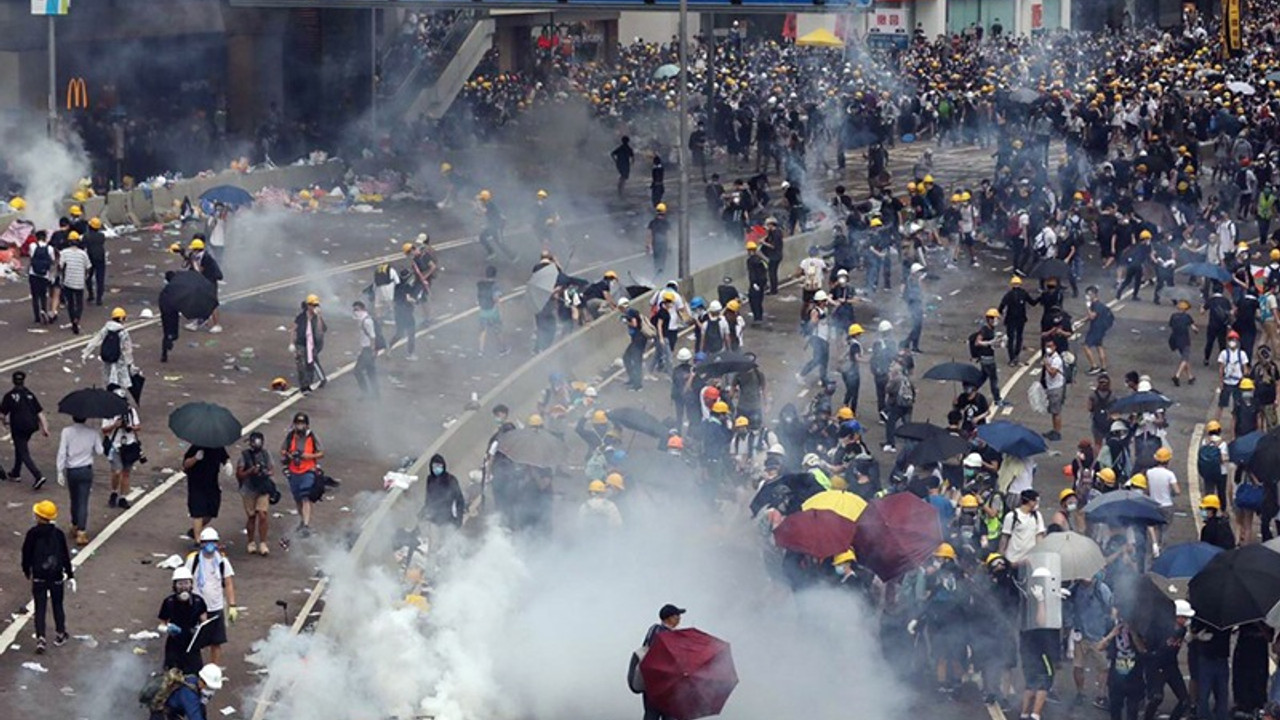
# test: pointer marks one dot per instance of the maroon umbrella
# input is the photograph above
(820, 533)
(896, 533)
(688, 674)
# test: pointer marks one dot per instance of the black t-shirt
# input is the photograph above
(22, 409)
(659, 226)
(596, 290)
(1247, 314)
(986, 333)
(185, 615)
(1180, 329)
(207, 468)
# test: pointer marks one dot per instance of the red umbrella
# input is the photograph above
(688, 674)
(897, 533)
(820, 533)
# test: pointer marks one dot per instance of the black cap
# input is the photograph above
(669, 610)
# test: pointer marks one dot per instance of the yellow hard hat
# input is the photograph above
(1247, 384)
(928, 179)
(1015, 280)
(73, 236)
(1145, 235)
(535, 420)
(1275, 254)
(1208, 501)
(741, 422)
(611, 275)
(597, 486)
(118, 313)
(196, 244)
(542, 194)
(445, 167)
(1213, 426)
(599, 418)
(992, 558)
(956, 198)
(992, 313)
(175, 247)
(484, 196)
(17, 204)
(733, 305)
(1164, 455)
(845, 557)
(615, 481)
(720, 406)
(1078, 196)
(945, 551)
(839, 483)
(855, 330)
(876, 222)
(304, 194)
(46, 510)
(75, 211)
(911, 187)
(660, 207)
(844, 413)
(969, 501)
(279, 384)
(95, 223)
(751, 245)
(965, 196)
(313, 299)
(1066, 493)
(406, 248)
(1107, 476)
(668, 296)
(1139, 481)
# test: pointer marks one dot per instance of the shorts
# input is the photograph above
(255, 502)
(966, 239)
(1093, 338)
(1037, 650)
(1087, 657)
(1184, 353)
(203, 499)
(300, 485)
(1227, 394)
(490, 318)
(1056, 398)
(124, 457)
(215, 633)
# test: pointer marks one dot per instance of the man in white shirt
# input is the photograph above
(1233, 365)
(75, 265)
(813, 269)
(77, 444)
(1162, 486)
(1022, 529)
(1055, 385)
(215, 582)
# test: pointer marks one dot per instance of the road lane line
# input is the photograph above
(1193, 475)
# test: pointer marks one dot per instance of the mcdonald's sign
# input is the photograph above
(77, 94)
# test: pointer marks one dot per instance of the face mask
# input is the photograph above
(184, 596)
(206, 693)
(209, 547)
(1246, 395)
(970, 473)
(1233, 344)
(1073, 506)
(256, 444)
(1204, 514)
(437, 469)
(838, 570)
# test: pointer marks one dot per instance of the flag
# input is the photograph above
(1232, 41)
(50, 7)
(789, 27)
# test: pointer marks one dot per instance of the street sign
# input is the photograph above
(723, 6)
(50, 7)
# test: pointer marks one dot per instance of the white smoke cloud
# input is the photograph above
(47, 168)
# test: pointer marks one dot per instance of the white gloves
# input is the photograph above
(72, 585)
(62, 478)
(1037, 592)
(911, 627)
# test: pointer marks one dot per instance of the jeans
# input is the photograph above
(896, 415)
(74, 299)
(95, 282)
(43, 591)
(1014, 332)
(367, 371)
(756, 299)
(820, 358)
(1213, 678)
(1169, 673)
(22, 456)
(633, 361)
(988, 365)
(39, 296)
(852, 384)
(79, 485)
(1124, 694)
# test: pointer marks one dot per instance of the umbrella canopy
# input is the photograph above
(1080, 556)
(840, 502)
(205, 425)
(93, 403)
(190, 294)
(821, 37)
(1237, 586)
(688, 674)
(919, 431)
(638, 420)
(1265, 463)
(725, 363)
(666, 71)
(1175, 294)
(1051, 268)
(1242, 88)
(541, 284)
(1185, 559)
(787, 493)
(1274, 76)
(956, 372)
(936, 449)
(1140, 402)
(1024, 96)
(1206, 270)
(1242, 448)
(1155, 212)
(229, 195)
(1145, 607)
(818, 533)
(1124, 507)
(896, 533)
(531, 446)
(1011, 438)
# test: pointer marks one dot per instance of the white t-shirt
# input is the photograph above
(208, 582)
(1023, 531)
(124, 435)
(814, 268)
(1160, 482)
(1053, 381)
(1232, 362)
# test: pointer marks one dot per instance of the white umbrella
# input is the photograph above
(666, 71)
(1081, 556)
(1242, 88)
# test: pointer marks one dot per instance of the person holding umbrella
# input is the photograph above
(1216, 527)
(205, 264)
(46, 562)
(77, 445)
(204, 494)
(668, 619)
(114, 348)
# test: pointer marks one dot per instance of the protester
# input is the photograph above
(46, 562)
(23, 415)
(214, 581)
(182, 616)
(77, 446)
(114, 348)
(124, 449)
(298, 454)
(309, 329)
(203, 467)
(257, 489)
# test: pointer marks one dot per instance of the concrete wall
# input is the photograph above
(657, 27)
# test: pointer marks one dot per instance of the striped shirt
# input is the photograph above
(75, 267)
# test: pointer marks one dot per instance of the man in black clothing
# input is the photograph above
(698, 148)
(1014, 308)
(46, 562)
(983, 349)
(659, 230)
(1219, 310)
(669, 617)
(94, 243)
(623, 156)
(24, 415)
(1135, 259)
(445, 503)
(180, 614)
(1162, 665)
(771, 249)
(757, 281)
(657, 181)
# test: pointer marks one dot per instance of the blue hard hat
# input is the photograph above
(700, 357)
(697, 302)
(851, 426)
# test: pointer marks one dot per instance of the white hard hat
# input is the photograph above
(146, 314)
(590, 391)
(885, 326)
(1041, 572)
(623, 302)
(820, 296)
(973, 460)
(684, 355)
(917, 267)
(1118, 426)
(211, 676)
(1182, 608)
(181, 573)
(715, 306)
(209, 535)
(786, 184)
(1144, 386)
(811, 460)
(777, 449)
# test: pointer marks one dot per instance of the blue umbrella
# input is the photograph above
(230, 195)
(1124, 507)
(1011, 438)
(1206, 270)
(1241, 449)
(1184, 560)
(1140, 402)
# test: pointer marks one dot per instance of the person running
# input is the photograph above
(982, 348)
(94, 243)
(298, 454)
(623, 156)
(1013, 306)
(77, 445)
(46, 562)
(114, 347)
(198, 259)
(489, 300)
(309, 329)
(23, 415)
(1181, 325)
(41, 274)
(214, 580)
(253, 474)
(124, 449)
(203, 465)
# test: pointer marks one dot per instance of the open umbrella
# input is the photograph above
(1011, 438)
(1236, 587)
(1242, 88)
(1124, 507)
(1273, 76)
(956, 372)
(936, 449)
(639, 420)
(666, 71)
(787, 493)
(1265, 463)
(1051, 268)
(1146, 608)
(531, 446)
(1080, 556)
(93, 403)
(1184, 560)
(821, 37)
(229, 195)
(896, 533)
(725, 363)
(1140, 402)
(1155, 212)
(205, 425)
(818, 533)
(1206, 270)
(919, 431)
(840, 502)
(1242, 448)
(541, 284)
(688, 674)
(190, 294)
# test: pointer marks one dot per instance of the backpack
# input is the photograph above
(159, 686)
(382, 274)
(1219, 313)
(1250, 496)
(1013, 225)
(110, 351)
(646, 327)
(881, 357)
(712, 340)
(1209, 461)
(906, 393)
(46, 554)
(635, 679)
(41, 260)
(973, 344)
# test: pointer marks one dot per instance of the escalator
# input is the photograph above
(417, 81)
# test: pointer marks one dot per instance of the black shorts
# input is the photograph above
(203, 498)
(215, 633)
(1038, 650)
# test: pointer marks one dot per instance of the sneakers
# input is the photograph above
(263, 549)
(82, 538)
(60, 639)
(411, 357)
(215, 329)
(1100, 702)
(252, 548)
(889, 449)
(111, 501)
(123, 504)
(1052, 435)
(1095, 370)
(39, 482)
(1176, 381)
(40, 646)
(193, 325)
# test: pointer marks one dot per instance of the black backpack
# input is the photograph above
(881, 357)
(41, 260)
(110, 352)
(382, 275)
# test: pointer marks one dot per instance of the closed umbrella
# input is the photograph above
(205, 425)
(1140, 402)
(1184, 560)
(1080, 556)
(725, 363)
(1237, 587)
(896, 533)
(190, 294)
(531, 446)
(541, 284)
(936, 449)
(93, 403)
(638, 420)
(688, 674)
(919, 431)
(817, 533)
(1124, 507)
(956, 372)
(841, 502)
(1013, 439)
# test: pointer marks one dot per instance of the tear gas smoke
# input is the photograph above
(46, 168)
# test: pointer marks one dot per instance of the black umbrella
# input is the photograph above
(956, 372)
(1143, 605)
(205, 425)
(918, 431)
(1238, 586)
(725, 363)
(635, 291)
(1265, 463)
(1051, 268)
(787, 493)
(1125, 507)
(638, 420)
(936, 449)
(1141, 402)
(93, 403)
(190, 294)
(531, 446)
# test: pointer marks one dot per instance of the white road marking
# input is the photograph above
(1193, 474)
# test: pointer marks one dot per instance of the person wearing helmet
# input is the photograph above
(1013, 306)
(1233, 366)
(299, 452)
(198, 258)
(309, 329)
(1211, 460)
(75, 266)
(123, 448)
(46, 562)
(1215, 525)
(947, 595)
(545, 219)
(214, 580)
(493, 225)
(257, 491)
(598, 513)
(598, 297)
(982, 348)
(757, 281)
(1246, 416)
(1162, 486)
(1181, 325)
(716, 434)
(114, 348)
(818, 328)
(181, 613)
(812, 270)
(656, 242)
(771, 247)
(851, 368)
(189, 699)
(684, 397)
(94, 242)
(883, 352)
(913, 294)
(664, 342)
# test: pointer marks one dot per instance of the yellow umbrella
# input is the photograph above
(840, 502)
(821, 37)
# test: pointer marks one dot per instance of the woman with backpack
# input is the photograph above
(46, 562)
(114, 348)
